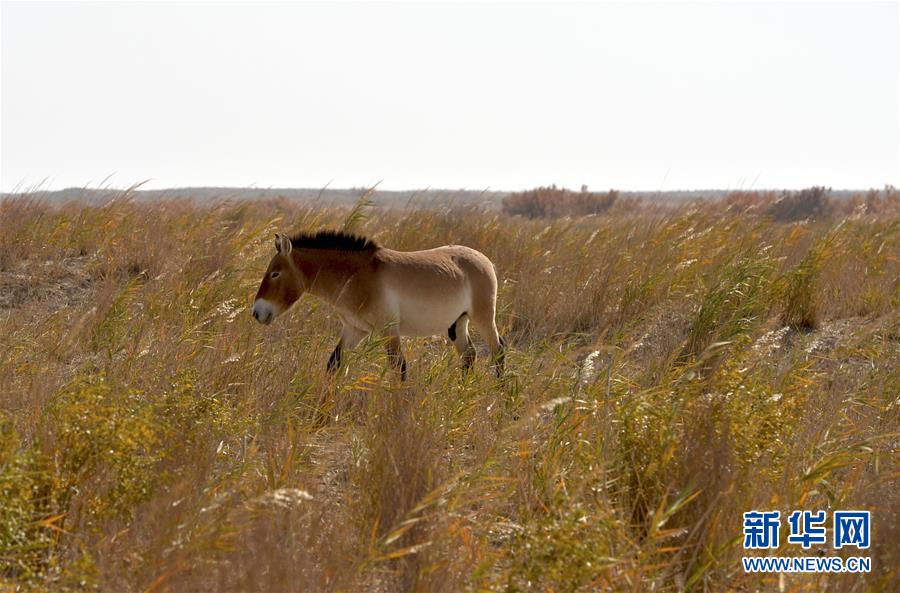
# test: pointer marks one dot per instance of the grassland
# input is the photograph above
(670, 368)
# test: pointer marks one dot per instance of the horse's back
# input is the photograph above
(427, 291)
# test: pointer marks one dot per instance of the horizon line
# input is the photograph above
(377, 189)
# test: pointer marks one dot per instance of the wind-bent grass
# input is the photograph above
(670, 368)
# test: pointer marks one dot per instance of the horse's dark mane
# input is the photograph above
(335, 240)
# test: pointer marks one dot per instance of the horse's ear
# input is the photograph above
(283, 244)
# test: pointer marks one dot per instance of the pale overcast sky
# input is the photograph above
(631, 95)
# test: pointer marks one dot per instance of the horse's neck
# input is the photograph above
(327, 272)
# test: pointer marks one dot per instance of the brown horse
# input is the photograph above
(392, 293)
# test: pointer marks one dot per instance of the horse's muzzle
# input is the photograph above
(262, 312)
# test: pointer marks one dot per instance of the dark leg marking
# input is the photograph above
(335, 361)
(398, 361)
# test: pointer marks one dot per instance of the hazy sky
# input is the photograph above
(623, 95)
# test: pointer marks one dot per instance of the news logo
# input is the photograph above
(762, 531)
(807, 528)
(851, 528)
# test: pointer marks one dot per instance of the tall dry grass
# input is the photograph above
(670, 369)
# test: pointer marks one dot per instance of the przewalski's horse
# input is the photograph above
(393, 293)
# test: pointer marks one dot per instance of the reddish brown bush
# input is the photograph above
(812, 202)
(548, 202)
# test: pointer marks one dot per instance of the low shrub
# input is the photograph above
(549, 202)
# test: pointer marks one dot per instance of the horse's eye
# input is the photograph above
(275, 275)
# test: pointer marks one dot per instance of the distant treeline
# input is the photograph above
(418, 198)
(541, 202)
(786, 205)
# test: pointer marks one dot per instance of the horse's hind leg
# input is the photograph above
(395, 354)
(459, 335)
(486, 326)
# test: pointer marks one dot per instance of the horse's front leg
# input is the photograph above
(334, 361)
(350, 337)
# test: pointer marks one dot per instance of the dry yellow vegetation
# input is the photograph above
(670, 368)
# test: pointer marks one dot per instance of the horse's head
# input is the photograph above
(281, 286)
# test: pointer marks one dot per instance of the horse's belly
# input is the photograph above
(417, 316)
